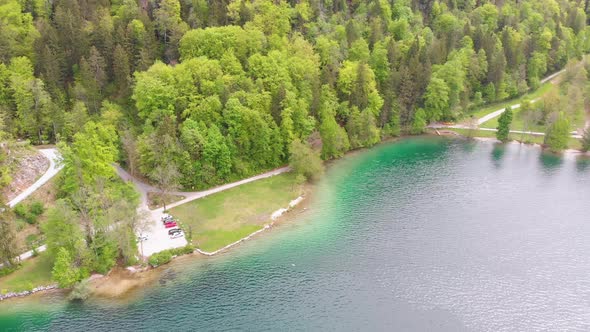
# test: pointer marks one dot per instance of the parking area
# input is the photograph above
(157, 235)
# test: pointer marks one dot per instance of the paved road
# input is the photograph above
(54, 167)
(157, 235)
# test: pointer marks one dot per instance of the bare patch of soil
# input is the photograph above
(155, 199)
(26, 166)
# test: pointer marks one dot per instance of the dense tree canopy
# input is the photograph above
(204, 74)
(212, 91)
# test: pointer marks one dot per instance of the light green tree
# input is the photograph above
(436, 99)
(62, 230)
(305, 161)
(90, 156)
(558, 132)
(334, 139)
(64, 271)
(419, 123)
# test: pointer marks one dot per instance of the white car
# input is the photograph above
(176, 235)
(142, 238)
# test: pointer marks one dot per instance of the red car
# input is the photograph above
(170, 224)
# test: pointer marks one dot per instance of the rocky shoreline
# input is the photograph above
(27, 293)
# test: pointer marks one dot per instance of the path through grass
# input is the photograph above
(225, 217)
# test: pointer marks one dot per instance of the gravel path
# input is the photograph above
(54, 167)
(494, 114)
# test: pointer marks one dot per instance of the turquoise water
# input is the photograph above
(423, 234)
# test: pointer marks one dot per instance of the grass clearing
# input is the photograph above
(225, 217)
(29, 236)
(518, 123)
(33, 272)
(480, 112)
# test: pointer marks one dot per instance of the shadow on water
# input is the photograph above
(498, 153)
(582, 163)
(469, 145)
(550, 162)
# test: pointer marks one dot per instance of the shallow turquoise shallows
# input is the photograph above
(424, 234)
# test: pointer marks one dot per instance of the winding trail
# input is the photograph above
(54, 167)
(157, 235)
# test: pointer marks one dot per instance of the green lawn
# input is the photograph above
(484, 110)
(220, 219)
(573, 143)
(518, 124)
(33, 272)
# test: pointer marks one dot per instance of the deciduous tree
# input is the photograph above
(305, 161)
(558, 132)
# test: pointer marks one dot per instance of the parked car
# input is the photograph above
(142, 238)
(174, 230)
(177, 235)
(170, 224)
(167, 219)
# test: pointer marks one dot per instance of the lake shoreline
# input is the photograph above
(121, 281)
(564, 153)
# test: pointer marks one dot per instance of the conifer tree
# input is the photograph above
(504, 123)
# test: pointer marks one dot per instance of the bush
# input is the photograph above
(558, 133)
(80, 292)
(165, 256)
(29, 213)
(160, 258)
(20, 210)
(8, 270)
(188, 249)
(36, 208)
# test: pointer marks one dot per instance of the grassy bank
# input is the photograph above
(573, 143)
(518, 123)
(225, 217)
(33, 272)
(29, 234)
(487, 109)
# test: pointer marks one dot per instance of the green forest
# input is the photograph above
(196, 93)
